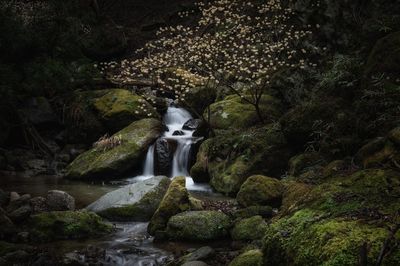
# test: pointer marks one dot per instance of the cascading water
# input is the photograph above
(174, 119)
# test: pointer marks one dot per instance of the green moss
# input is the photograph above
(233, 112)
(50, 226)
(249, 229)
(248, 258)
(232, 156)
(176, 200)
(306, 238)
(199, 171)
(119, 108)
(260, 190)
(198, 226)
(105, 163)
(299, 163)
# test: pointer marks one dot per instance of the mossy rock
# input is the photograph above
(233, 112)
(135, 202)
(100, 162)
(197, 99)
(252, 257)
(306, 238)
(230, 157)
(198, 226)
(51, 226)
(294, 194)
(199, 171)
(260, 190)
(378, 152)
(175, 200)
(118, 108)
(301, 162)
(394, 136)
(249, 229)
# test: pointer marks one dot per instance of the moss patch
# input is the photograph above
(249, 229)
(50, 226)
(248, 258)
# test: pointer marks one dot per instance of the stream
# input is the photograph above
(130, 244)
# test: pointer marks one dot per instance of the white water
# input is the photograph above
(174, 119)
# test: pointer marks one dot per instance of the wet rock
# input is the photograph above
(260, 190)
(135, 202)
(20, 214)
(163, 156)
(14, 196)
(200, 97)
(176, 200)
(202, 253)
(60, 225)
(60, 201)
(249, 229)
(178, 133)
(192, 124)
(198, 226)
(102, 162)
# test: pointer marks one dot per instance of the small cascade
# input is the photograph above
(148, 169)
(182, 140)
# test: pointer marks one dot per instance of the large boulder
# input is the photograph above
(249, 229)
(91, 114)
(134, 202)
(50, 226)
(108, 162)
(199, 97)
(230, 158)
(233, 112)
(59, 201)
(175, 200)
(260, 190)
(198, 226)
(118, 108)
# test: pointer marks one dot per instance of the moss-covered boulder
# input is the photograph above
(378, 152)
(198, 98)
(112, 161)
(91, 114)
(252, 257)
(301, 162)
(135, 202)
(327, 224)
(118, 108)
(50, 226)
(260, 190)
(233, 112)
(230, 157)
(175, 200)
(198, 226)
(249, 229)
(306, 238)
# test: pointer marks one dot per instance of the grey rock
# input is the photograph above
(135, 202)
(39, 204)
(58, 200)
(163, 156)
(18, 202)
(199, 254)
(14, 196)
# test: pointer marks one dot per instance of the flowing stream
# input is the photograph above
(130, 244)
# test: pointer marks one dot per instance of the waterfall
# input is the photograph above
(174, 119)
(148, 169)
